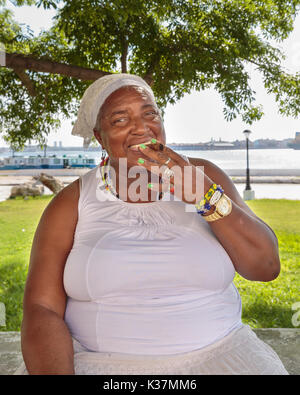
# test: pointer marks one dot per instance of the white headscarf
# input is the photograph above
(94, 97)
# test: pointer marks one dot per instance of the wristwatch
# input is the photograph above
(222, 208)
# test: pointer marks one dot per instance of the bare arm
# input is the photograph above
(45, 339)
(249, 241)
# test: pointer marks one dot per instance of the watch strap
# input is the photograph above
(212, 217)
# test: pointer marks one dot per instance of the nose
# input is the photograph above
(139, 126)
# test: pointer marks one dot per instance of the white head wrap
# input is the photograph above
(94, 97)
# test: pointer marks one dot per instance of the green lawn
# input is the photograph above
(269, 305)
(265, 305)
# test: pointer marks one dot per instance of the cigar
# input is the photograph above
(147, 143)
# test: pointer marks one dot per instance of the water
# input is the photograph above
(273, 191)
(258, 158)
(229, 159)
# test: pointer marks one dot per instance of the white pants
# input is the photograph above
(239, 353)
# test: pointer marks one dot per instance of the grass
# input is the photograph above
(18, 221)
(265, 305)
(269, 305)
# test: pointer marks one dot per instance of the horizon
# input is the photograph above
(29, 145)
(197, 116)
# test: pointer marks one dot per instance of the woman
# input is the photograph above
(132, 273)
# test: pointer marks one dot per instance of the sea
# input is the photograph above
(277, 159)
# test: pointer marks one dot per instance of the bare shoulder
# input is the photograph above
(59, 219)
(211, 170)
(65, 202)
(220, 177)
(68, 195)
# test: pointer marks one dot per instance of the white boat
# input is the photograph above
(48, 162)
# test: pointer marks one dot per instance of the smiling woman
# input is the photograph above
(142, 283)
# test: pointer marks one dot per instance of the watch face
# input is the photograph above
(223, 206)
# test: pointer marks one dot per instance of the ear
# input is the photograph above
(98, 137)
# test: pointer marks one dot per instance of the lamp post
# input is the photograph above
(248, 192)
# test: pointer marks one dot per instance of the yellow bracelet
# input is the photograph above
(210, 198)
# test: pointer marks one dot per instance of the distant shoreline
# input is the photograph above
(262, 176)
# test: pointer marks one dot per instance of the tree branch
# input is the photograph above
(18, 61)
(25, 80)
(148, 77)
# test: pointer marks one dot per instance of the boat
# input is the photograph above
(46, 162)
(295, 144)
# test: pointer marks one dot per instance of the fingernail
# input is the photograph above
(153, 141)
(161, 147)
(150, 186)
(142, 146)
(140, 160)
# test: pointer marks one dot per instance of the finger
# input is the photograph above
(161, 187)
(169, 172)
(153, 167)
(158, 156)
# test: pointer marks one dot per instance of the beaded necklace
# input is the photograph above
(105, 175)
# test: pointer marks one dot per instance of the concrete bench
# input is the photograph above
(285, 341)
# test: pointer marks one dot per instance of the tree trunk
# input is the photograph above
(124, 56)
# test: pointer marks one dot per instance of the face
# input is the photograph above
(129, 116)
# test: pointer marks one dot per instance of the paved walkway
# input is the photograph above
(285, 341)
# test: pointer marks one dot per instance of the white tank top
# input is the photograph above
(146, 278)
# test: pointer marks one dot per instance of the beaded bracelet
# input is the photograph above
(210, 199)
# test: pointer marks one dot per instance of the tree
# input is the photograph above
(175, 45)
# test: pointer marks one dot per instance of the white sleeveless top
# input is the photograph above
(146, 278)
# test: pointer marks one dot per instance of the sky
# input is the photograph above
(197, 117)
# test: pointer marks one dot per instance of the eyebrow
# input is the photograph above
(126, 111)
(118, 112)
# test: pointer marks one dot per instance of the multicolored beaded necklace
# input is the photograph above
(104, 171)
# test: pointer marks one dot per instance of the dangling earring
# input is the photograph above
(103, 156)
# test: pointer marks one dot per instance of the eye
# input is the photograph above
(151, 114)
(119, 120)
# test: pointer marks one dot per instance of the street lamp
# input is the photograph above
(248, 193)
